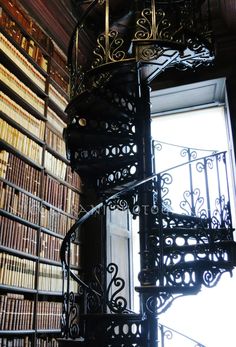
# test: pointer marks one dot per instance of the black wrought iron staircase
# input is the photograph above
(116, 50)
(183, 252)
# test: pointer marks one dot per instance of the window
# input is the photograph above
(196, 115)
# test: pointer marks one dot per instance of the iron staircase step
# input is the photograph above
(182, 219)
(94, 105)
(82, 138)
(101, 165)
(157, 290)
(208, 235)
(71, 343)
(209, 247)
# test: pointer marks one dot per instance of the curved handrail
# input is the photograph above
(79, 26)
(156, 142)
(91, 212)
(70, 236)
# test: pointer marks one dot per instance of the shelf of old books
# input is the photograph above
(40, 195)
(25, 33)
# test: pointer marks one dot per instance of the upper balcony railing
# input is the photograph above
(157, 34)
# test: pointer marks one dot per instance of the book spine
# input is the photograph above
(21, 116)
(50, 278)
(56, 97)
(21, 237)
(15, 271)
(22, 62)
(49, 315)
(21, 89)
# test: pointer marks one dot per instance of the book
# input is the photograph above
(56, 97)
(22, 62)
(56, 142)
(15, 310)
(50, 278)
(48, 315)
(21, 237)
(18, 172)
(20, 204)
(56, 122)
(21, 142)
(21, 116)
(16, 271)
(55, 220)
(21, 89)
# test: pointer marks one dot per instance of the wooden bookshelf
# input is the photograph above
(40, 195)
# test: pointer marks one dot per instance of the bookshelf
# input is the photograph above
(40, 194)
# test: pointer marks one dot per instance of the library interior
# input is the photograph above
(102, 224)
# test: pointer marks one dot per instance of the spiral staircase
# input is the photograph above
(117, 49)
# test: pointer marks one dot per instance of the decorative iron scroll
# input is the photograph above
(111, 52)
(158, 304)
(99, 297)
(167, 333)
(70, 316)
(183, 252)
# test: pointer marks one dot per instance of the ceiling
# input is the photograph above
(56, 17)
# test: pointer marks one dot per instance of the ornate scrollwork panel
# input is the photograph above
(118, 177)
(109, 49)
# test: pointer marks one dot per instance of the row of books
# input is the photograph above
(56, 122)
(61, 196)
(22, 117)
(46, 342)
(58, 77)
(73, 178)
(18, 172)
(24, 206)
(50, 248)
(55, 96)
(20, 272)
(19, 204)
(21, 89)
(22, 39)
(23, 63)
(20, 237)
(48, 315)
(17, 236)
(16, 271)
(55, 166)
(59, 57)
(50, 278)
(60, 169)
(16, 313)
(55, 142)
(16, 342)
(27, 342)
(55, 221)
(25, 176)
(19, 14)
(21, 142)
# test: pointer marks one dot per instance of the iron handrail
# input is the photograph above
(167, 330)
(155, 142)
(70, 236)
(78, 26)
